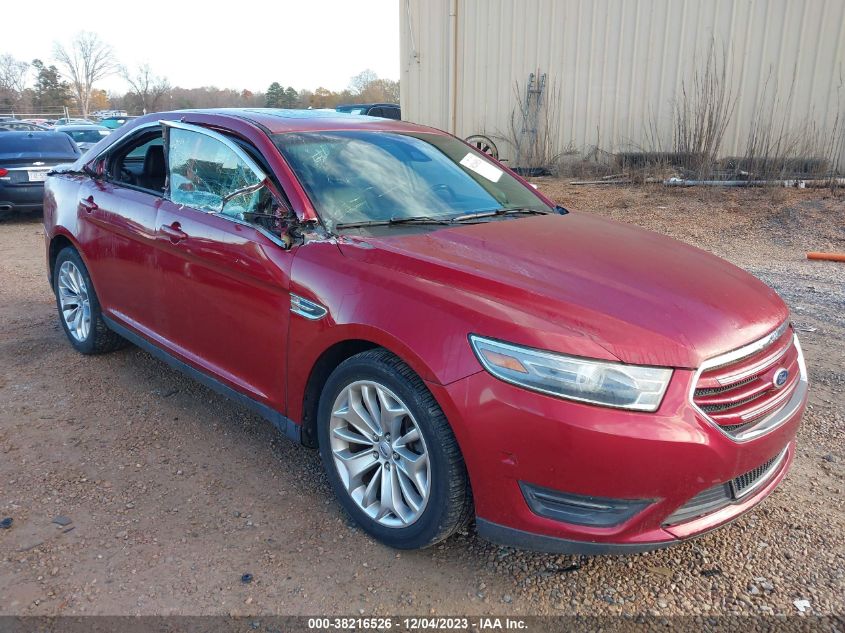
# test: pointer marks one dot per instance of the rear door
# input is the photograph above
(117, 224)
(225, 277)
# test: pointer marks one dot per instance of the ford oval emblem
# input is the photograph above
(781, 376)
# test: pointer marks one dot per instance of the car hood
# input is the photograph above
(643, 297)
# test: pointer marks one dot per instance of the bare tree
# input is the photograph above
(362, 80)
(147, 87)
(12, 74)
(380, 90)
(87, 61)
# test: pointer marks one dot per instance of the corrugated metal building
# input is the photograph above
(619, 64)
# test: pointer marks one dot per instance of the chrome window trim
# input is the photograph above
(307, 309)
(773, 420)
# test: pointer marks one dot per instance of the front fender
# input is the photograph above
(363, 305)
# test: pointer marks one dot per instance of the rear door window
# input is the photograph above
(139, 162)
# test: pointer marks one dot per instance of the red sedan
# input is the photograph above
(453, 343)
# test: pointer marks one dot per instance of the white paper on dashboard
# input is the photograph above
(482, 167)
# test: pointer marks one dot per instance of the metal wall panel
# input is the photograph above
(620, 64)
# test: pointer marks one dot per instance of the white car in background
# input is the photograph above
(84, 135)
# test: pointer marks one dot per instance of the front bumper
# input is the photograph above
(510, 435)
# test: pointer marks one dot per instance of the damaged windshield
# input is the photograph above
(362, 178)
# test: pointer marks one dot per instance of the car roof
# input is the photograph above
(366, 105)
(74, 127)
(279, 121)
(12, 135)
(36, 133)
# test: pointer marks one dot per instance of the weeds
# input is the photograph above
(775, 152)
(533, 126)
(701, 116)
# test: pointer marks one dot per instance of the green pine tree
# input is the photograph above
(291, 97)
(275, 93)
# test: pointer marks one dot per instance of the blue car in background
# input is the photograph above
(383, 110)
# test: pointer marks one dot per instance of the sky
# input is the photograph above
(304, 43)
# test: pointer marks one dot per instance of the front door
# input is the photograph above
(225, 291)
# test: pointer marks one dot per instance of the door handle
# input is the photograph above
(174, 232)
(88, 204)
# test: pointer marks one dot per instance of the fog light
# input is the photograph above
(580, 509)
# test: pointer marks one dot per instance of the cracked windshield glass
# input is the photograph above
(361, 176)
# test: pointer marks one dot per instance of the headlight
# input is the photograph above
(594, 381)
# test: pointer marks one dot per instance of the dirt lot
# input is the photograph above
(171, 493)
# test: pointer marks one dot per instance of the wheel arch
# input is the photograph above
(328, 359)
(322, 368)
(58, 243)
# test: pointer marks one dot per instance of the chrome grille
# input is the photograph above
(708, 392)
(753, 479)
(723, 495)
(737, 391)
(710, 500)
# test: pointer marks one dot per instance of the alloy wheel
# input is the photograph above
(74, 301)
(380, 454)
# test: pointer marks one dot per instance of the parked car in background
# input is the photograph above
(451, 341)
(115, 122)
(72, 121)
(103, 114)
(21, 126)
(383, 110)
(25, 159)
(85, 136)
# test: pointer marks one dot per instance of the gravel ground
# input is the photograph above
(166, 494)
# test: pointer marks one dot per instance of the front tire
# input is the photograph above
(390, 454)
(79, 307)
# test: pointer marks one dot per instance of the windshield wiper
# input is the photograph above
(426, 219)
(498, 212)
(414, 219)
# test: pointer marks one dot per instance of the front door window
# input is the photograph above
(208, 175)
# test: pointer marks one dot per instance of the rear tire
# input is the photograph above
(79, 308)
(377, 424)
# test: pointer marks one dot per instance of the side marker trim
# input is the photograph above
(305, 308)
